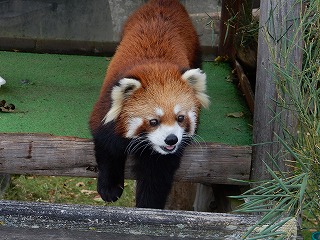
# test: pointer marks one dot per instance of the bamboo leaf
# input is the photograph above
(303, 188)
(278, 179)
(296, 157)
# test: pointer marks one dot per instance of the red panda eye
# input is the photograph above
(180, 118)
(154, 122)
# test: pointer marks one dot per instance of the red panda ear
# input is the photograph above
(197, 79)
(123, 89)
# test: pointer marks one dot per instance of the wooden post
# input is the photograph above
(224, 41)
(229, 10)
(277, 34)
(4, 183)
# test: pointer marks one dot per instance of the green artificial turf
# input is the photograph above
(52, 93)
(55, 94)
(228, 120)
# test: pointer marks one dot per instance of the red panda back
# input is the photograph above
(162, 29)
(159, 31)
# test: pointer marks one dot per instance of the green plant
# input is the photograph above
(294, 195)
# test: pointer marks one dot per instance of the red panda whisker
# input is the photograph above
(196, 137)
(135, 144)
(196, 140)
(131, 145)
(145, 146)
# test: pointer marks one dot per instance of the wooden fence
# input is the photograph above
(44, 154)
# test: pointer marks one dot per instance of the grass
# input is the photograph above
(66, 190)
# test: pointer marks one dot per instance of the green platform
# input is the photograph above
(55, 94)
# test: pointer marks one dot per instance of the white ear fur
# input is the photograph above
(197, 79)
(120, 92)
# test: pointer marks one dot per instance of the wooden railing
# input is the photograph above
(44, 154)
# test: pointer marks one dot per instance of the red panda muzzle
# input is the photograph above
(171, 140)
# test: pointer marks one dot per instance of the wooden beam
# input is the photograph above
(43, 154)
(245, 86)
(116, 223)
(278, 36)
(37, 221)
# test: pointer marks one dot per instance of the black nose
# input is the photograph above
(171, 139)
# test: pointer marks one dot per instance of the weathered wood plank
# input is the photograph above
(14, 233)
(133, 222)
(245, 86)
(278, 36)
(43, 154)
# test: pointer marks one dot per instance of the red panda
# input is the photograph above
(149, 103)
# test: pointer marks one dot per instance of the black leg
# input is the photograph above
(152, 194)
(110, 156)
(154, 174)
(110, 176)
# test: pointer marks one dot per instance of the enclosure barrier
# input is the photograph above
(44, 154)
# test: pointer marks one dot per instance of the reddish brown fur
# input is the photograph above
(159, 36)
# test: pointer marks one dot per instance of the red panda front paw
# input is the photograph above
(110, 193)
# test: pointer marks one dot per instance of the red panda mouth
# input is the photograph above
(168, 148)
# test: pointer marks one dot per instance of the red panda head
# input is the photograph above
(157, 106)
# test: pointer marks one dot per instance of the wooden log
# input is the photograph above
(43, 154)
(245, 86)
(117, 223)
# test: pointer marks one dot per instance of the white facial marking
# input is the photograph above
(193, 121)
(177, 109)
(125, 88)
(197, 80)
(158, 136)
(159, 112)
(133, 125)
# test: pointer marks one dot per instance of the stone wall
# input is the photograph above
(89, 20)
